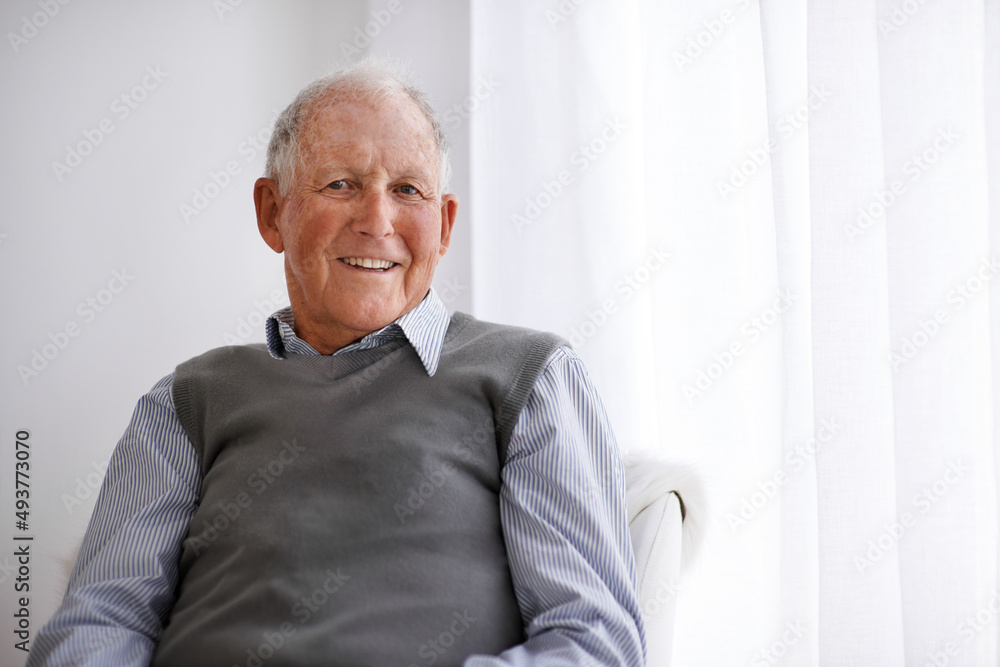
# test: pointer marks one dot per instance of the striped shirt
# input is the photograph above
(562, 508)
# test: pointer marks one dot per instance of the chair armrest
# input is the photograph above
(656, 540)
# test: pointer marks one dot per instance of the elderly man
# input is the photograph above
(381, 484)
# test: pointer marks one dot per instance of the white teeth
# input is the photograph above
(368, 263)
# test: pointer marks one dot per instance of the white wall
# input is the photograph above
(110, 227)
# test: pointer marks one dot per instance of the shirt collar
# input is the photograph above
(424, 327)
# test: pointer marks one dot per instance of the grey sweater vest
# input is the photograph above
(349, 508)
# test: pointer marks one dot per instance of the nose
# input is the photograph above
(374, 216)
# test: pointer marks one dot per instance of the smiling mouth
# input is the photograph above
(366, 263)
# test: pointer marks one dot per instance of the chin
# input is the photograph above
(370, 317)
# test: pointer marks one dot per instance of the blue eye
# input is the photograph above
(408, 190)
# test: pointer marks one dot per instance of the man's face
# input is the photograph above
(363, 225)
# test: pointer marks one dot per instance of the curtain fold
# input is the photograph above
(767, 232)
(938, 238)
(860, 612)
(792, 102)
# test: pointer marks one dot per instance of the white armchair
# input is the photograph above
(656, 512)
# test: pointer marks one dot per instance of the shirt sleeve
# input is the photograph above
(562, 507)
(122, 587)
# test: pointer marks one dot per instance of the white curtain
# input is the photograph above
(767, 229)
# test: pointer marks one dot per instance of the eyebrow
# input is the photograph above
(406, 171)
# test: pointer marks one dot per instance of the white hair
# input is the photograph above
(371, 80)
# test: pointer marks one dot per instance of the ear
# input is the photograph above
(449, 211)
(267, 200)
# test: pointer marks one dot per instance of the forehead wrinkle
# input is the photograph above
(411, 153)
(367, 161)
